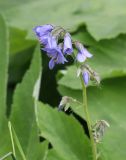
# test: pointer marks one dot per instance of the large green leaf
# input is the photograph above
(64, 133)
(3, 67)
(109, 61)
(4, 55)
(23, 110)
(18, 41)
(107, 103)
(53, 155)
(103, 18)
(20, 54)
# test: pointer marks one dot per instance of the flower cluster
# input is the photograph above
(48, 37)
(57, 44)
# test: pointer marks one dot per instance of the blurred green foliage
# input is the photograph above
(101, 26)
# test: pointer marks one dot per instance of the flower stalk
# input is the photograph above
(93, 144)
(58, 44)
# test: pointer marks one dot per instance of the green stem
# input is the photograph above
(12, 140)
(6, 156)
(93, 145)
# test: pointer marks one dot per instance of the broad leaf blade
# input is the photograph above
(108, 60)
(64, 133)
(107, 103)
(4, 55)
(103, 18)
(53, 155)
(23, 110)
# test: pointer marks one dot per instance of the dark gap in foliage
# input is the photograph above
(10, 92)
(48, 90)
(50, 146)
(41, 139)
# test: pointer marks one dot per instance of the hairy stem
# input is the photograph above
(93, 145)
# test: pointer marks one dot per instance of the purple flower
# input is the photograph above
(82, 52)
(51, 46)
(68, 49)
(42, 32)
(58, 58)
(44, 39)
(54, 52)
(86, 77)
(51, 43)
(51, 63)
(81, 57)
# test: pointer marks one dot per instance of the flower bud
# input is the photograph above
(68, 49)
(65, 102)
(82, 52)
(86, 77)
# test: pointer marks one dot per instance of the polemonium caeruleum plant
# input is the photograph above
(57, 44)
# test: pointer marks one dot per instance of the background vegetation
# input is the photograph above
(101, 26)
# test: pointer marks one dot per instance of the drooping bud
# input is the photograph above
(93, 75)
(68, 49)
(80, 57)
(82, 52)
(86, 77)
(64, 103)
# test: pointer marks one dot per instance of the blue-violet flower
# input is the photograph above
(82, 52)
(58, 58)
(54, 52)
(86, 77)
(68, 49)
(42, 32)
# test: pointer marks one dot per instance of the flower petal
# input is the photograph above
(86, 77)
(60, 58)
(83, 50)
(68, 49)
(44, 39)
(42, 30)
(50, 52)
(87, 53)
(80, 57)
(51, 42)
(51, 64)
